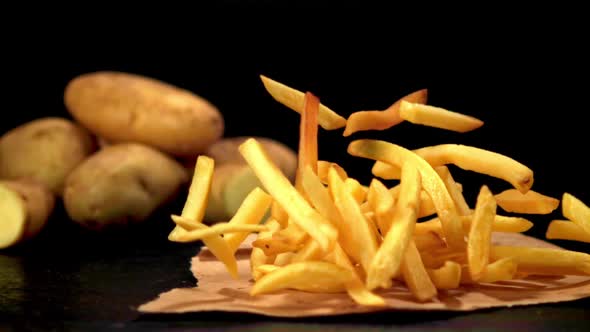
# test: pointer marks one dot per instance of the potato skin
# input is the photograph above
(125, 107)
(121, 184)
(39, 201)
(45, 150)
(225, 151)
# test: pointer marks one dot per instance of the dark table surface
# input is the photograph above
(81, 281)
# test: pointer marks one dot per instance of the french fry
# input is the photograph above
(266, 268)
(468, 158)
(279, 187)
(382, 202)
(576, 211)
(257, 256)
(415, 275)
(279, 214)
(447, 276)
(273, 245)
(427, 208)
(387, 261)
(431, 182)
(320, 198)
(512, 200)
(293, 99)
(198, 194)
(203, 231)
(324, 167)
(445, 175)
(544, 261)
(381, 120)
(308, 138)
(357, 190)
(359, 241)
(309, 252)
(428, 241)
(438, 117)
(500, 224)
(566, 230)
(250, 212)
(313, 276)
(284, 258)
(480, 234)
(500, 270)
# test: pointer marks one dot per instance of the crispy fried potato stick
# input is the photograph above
(250, 212)
(293, 99)
(427, 208)
(512, 200)
(415, 275)
(547, 261)
(279, 187)
(500, 224)
(431, 182)
(381, 120)
(387, 261)
(356, 189)
(308, 138)
(359, 241)
(480, 234)
(203, 231)
(500, 270)
(447, 276)
(438, 117)
(313, 276)
(456, 194)
(324, 167)
(382, 202)
(257, 256)
(575, 210)
(566, 230)
(468, 158)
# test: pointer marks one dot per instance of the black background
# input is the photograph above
(523, 71)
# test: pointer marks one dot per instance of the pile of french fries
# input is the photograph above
(329, 233)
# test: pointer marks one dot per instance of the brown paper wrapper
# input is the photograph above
(217, 291)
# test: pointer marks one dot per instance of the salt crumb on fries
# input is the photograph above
(328, 233)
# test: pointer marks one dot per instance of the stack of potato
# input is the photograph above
(128, 150)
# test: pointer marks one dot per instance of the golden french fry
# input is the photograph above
(324, 167)
(279, 214)
(387, 261)
(284, 258)
(355, 189)
(381, 120)
(415, 275)
(309, 252)
(431, 182)
(545, 261)
(308, 137)
(576, 211)
(532, 202)
(566, 230)
(500, 270)
(204, 231)
(360, 242)
(454, 191)
(274, 245)
(257, 256)
(468, 158)
(279, 187)
(447, 276)
(428, 241)
(250, 212)
(320, 198)
(434, 259)
(266, 268)
(501, 224)
(293, 99)
(427, 208)
(198, 194)
(438, 117)
(312, 276)
(382, 202)
(480, 234)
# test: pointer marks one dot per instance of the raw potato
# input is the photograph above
(12, 217)
(226, 151)
(121, 184)
(230, 185)
(124, 107)
(45, 150)
(39, 203)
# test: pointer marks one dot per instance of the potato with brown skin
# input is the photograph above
(39, 203)
(122, 184)
(226, 151)
(124, 107)
(45, 150)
